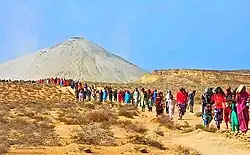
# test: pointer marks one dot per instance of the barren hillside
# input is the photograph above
(195, 79)
(76, 58)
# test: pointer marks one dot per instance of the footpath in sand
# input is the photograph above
(204, 142)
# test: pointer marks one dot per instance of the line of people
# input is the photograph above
(232, 106)
(141, 98)
(56, 81)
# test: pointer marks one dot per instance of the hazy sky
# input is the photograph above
(153, 34)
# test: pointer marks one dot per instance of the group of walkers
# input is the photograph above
(56, 81)
(232, 106)
(141, 98)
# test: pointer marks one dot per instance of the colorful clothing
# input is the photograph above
(206, 98)
(150, 104)
(191, 101)
(234, 118)
(136, 97)
(242, 111)
(181, 109)
(219, 100)
(181, 97)
(227, 112)
(170, 104)
(105, 95)
(218, 116)
(207, 115)
(127, 98)
(159, 106)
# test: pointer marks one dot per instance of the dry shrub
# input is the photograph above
(149, 141)
(88, 106)
(164, 120)
(95, 134)
(33, 133)
(128, 111)
(211, 128)
(186, 127)
(183, 150)
(101, 116)
(133, 126)
(4, 143)
(72, 116)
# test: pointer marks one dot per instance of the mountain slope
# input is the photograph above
(76, 58)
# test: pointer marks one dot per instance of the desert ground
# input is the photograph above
(40, 119)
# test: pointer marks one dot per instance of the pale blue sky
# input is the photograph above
(154, 34)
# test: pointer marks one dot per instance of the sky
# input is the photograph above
(153, 34)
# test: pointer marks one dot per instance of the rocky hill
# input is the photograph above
(76, 58)
(195, 79)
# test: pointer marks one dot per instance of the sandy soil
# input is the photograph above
(204, 142)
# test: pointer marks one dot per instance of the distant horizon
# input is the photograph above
(152, 35)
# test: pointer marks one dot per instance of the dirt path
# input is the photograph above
(204, 142)
(210, 144)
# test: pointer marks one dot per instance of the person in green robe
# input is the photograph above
(234, 118)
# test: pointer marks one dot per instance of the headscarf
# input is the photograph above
(240, 88)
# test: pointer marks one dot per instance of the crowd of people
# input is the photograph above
(145, 99)
(231, 106)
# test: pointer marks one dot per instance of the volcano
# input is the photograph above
(76, 58)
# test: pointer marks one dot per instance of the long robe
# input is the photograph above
(127, 98)
(242, 111)
(234, 118)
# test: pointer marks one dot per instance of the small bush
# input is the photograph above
(212, 128)
(183, 150)
(128, 111)
(149, 141)
(101, 116)
(72, 116)
(4, 141)
(31, 133)
(133, 126)
(95, 134)
(167, 122)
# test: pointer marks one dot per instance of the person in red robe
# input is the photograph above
(120, 97)
(181, 98)
(219, 101)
